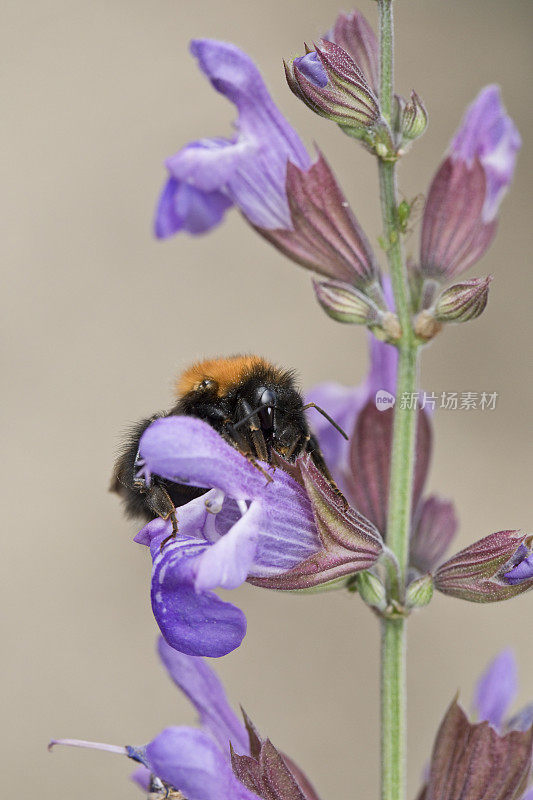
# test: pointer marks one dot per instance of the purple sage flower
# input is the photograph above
(267, 173)
(245, 528)
(208, 176)
(463, 200)
(214, 761)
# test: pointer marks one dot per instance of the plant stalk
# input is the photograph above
(393, 634)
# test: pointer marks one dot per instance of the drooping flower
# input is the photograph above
(459, 219)
(266, 172)
(490, 759)
(216, 760)
(284, 534)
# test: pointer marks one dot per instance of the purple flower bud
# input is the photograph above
(479, 573)
(463, 301)
(344, 96)
(325, 235)
(488, 133)
(311, 67)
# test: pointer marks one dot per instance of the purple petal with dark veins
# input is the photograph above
(191, 762)
(195, 623)
(205, 691)
(496, 689)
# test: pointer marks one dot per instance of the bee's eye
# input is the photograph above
(207, 383)
(266, 397)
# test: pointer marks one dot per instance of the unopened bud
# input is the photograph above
(419, 592)
(329, 81)
(463, 301)
(413, 118)
(372, 590)
(344, 303)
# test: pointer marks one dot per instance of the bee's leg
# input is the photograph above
(251, 458)
(158, 500)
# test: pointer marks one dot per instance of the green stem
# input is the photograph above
(393, 707)
(393, 639)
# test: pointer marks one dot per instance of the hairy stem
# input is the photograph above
(393, 639)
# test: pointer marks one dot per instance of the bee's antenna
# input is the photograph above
(327, 416)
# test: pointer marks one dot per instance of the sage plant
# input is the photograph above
(371, 530)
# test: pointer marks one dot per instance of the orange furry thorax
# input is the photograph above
(225, 372)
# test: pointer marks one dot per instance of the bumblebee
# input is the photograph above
(252, 404)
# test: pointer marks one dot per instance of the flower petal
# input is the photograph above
(188, 450)
(205, 691)
(497, 688)
(488, 133)
(185, 207)
(195, 623)
(227, 562)
(523, 571)
(189, 760)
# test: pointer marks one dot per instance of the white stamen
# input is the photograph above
(210, 528)
(109, 748)
(215, 501)
(243, 508)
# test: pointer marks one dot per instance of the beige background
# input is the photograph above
(99, 317)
